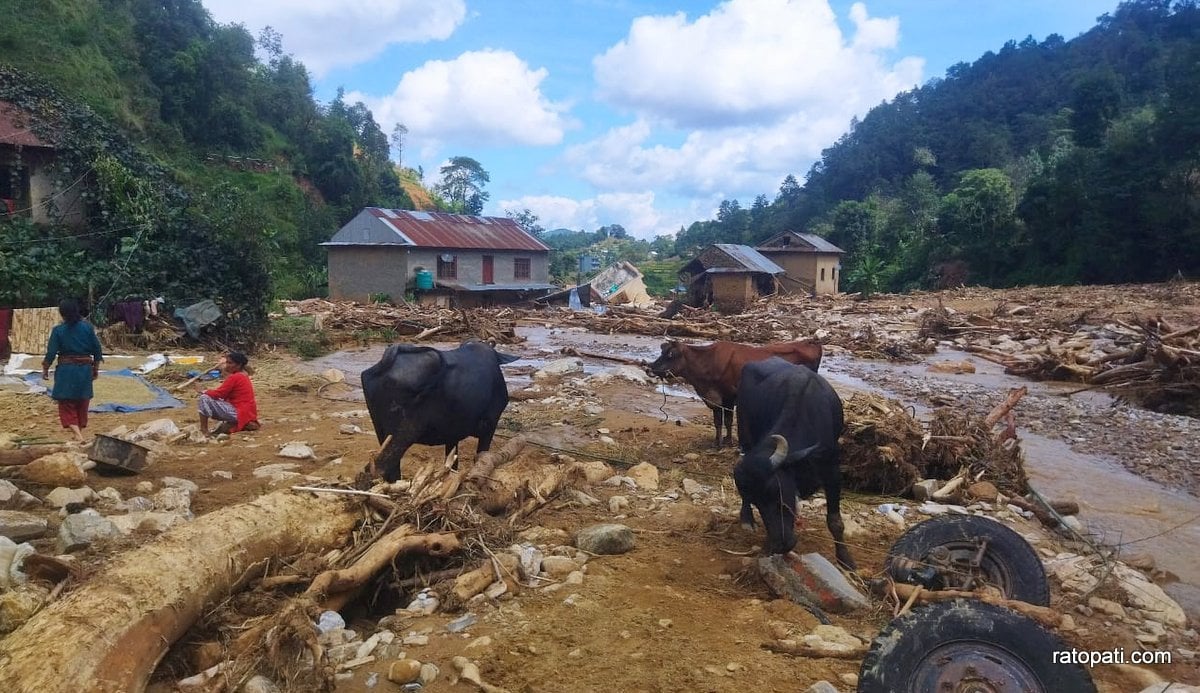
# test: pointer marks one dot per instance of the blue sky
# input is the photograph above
(644, 113)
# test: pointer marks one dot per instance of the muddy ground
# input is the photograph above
(679, 612)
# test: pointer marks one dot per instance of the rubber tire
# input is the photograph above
(1027, 576)
(898, 651)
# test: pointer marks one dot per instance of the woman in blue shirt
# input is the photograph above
(73, 342)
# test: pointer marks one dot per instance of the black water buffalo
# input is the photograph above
(789, 421)
(421, 395)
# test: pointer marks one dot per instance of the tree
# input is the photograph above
(398, 134)
(527, 220)
(977, 218)
(462, 184)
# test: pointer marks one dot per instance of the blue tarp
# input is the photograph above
(162, 398)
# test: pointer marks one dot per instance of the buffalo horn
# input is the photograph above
(781, 451)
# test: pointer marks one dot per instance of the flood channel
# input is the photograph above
(1117, 506)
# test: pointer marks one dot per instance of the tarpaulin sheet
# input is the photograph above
(161, 399)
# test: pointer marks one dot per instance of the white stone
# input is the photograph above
(297, 451)
(1149, 597)
(80, 529)
(20, 526)
(61, 497)
(158, 429)
(645, 475)
(560, 367)
(186, 484)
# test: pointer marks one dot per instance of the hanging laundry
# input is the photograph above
(129, 312)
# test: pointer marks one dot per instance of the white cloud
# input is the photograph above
(757, 89)
(752, 62)
(481, 98)
(325, 34)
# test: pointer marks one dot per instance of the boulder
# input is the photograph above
(605, 539)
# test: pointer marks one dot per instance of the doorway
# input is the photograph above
(489, 269)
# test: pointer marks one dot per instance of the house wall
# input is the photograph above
(470, 265)
(356, 272)
(804, 270)
(732, 292)
(47, 202)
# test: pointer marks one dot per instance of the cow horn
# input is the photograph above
(781, 450)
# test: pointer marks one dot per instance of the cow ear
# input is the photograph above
(781, 451)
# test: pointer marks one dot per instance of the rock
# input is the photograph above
(923, 489)
(62, 497)
(1141, 561)
(850, 680)
(185, 484)
(821, 687)
(13, 498)
(833, 641)
(685, 517)
(1073, 572)
(618, 504)
(983, 490)
(596, 471)
(558, 567)
(144, 487)
(174, 500)
(333, 375)
(1149, 597)
(21, 526)
(416, 639)
(297, 451)
(607, 440)
(461, 623)
(1106, 606)
(280, 470)
(260, 684)
(479, 643)
(645, 475)
(158, 429)
(605, 539)
(404, 671)
(58, 469)
(156, 522)
(530, 558)
(559, 368)
(349, 429)
(222, 474)
(109, 496)
(81, 529)
(693, 488)
(429, 673)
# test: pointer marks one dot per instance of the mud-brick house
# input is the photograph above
(451, 260)
(811, 264)
(27, 187)
(728, 277)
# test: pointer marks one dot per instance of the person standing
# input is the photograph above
(73, 342)
(233, 402)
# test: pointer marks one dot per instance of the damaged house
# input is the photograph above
(27, 186)
(450, 260)
(811, 264)
(729, 277)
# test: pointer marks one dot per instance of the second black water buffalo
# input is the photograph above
(420, 395)
(789, 421)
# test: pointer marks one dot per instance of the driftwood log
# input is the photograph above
(109, 635)
(20, 456)
(1044, 615)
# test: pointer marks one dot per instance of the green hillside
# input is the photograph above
(1052, 162)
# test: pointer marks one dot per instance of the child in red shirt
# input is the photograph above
(232, 403)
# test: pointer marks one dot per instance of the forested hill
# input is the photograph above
(208, 172)
(1051, 162)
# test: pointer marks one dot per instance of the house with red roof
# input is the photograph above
(451, 260)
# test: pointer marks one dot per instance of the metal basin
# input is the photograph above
(116, 454)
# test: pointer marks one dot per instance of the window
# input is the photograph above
(822, 274)
(521, 268)
(447, 270)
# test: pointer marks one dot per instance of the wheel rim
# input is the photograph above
(973, 667)
(953, 561)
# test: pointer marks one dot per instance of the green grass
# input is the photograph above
(299, 335)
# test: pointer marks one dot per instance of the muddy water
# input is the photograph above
(1118, 507)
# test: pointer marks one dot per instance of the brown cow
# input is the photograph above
(716, 369)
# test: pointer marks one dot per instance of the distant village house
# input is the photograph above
(811, 264)
(450, 260)
(27, 187)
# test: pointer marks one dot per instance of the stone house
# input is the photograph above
(811, 264)
(27, 187)
(451, 260)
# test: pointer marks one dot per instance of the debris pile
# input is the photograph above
(413, 322)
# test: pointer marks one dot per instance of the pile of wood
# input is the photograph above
(247, 583)
(885, 450)
(412, 321)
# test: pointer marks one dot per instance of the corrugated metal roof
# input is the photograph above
(819, 245)
(749, 258)
(443, 230)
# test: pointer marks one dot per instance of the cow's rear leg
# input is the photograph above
(830, 472)
(727, 407)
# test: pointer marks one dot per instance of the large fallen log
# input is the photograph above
(109, 635)
(26, 455)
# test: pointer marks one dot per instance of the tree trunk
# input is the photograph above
(110, 633)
